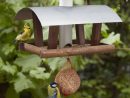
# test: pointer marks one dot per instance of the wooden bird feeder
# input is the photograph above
(77, 16)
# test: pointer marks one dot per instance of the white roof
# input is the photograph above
(60, 15)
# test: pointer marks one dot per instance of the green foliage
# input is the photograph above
(79, 2)
(102, 76)
(29, 62)
(22, 83)
(88, 29)
(7, 49)
(11, 93)
(38, 74)
(111, 39)
(55, 63)
(10, 69)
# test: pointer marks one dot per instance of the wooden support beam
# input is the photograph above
(53, 37)
(38, 36)
(96, 34)
(72, 51)
(46, 42)
(80, 34)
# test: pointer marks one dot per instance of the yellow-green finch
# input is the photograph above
(26, 35)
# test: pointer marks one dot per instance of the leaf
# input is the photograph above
(1, 62)
(101, 93)
(78, 62)
(22, 82)
(17, 5)
(89, 83)
(11, 69)
(1, 72)
(7, 48)
(11, 93)
(122, 53)
(2, 78)
(55, 63)
(79, 2)
(111, 39)
(104, 30)
(88, 31)
(39, 73)
(118, 85)
(126, 90)
(28, 63)
(39, 93)
(53, 2)
(45, 34)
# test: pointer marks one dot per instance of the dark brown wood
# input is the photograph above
(30, 48)
(37, 31)
(3, 89)
(87, 2)
(53, 37)
(80, 34)
(96, 34)
(80, 50)
(73, 41)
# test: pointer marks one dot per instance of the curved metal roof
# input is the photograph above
(60, 15)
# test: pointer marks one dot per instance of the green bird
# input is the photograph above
(53, 91)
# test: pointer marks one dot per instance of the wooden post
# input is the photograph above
(53, 37)
(38, 36)
(65, 36)
(96, 34)
(80, 34)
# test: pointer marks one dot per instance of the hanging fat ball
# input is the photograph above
(68, 79)
(26, 35)
(53, 91)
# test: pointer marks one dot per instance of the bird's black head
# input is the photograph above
(53, 84)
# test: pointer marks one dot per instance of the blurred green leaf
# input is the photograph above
(22, 82)
(101, 93)
(28, 63)
(1, 63)
(104, 31)
(7, 48)
(10, 69)
(89, 83)
(55, 63)
(111, 39)
(39, 73)
(122, 53)
(126, 90)
(88, 31)
(102, 72)
(11, 93)
(79, 2)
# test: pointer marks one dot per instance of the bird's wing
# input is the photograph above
(58, 92)
(53, 96)
(18, 37)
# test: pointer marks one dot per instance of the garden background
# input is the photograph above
(103, 76)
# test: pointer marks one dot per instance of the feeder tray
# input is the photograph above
(77, 16)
